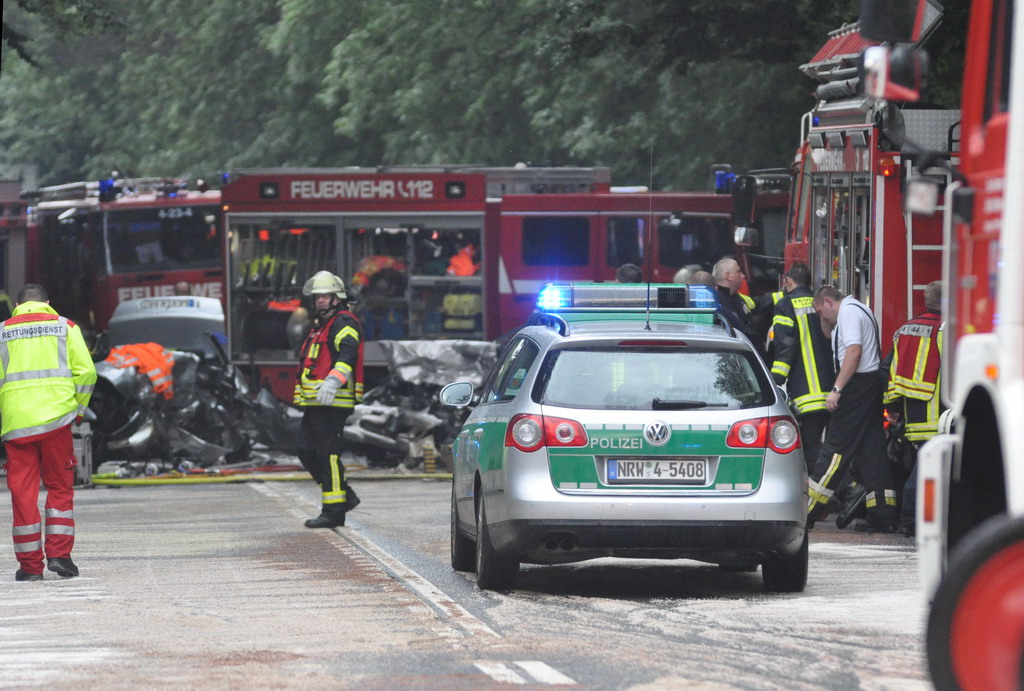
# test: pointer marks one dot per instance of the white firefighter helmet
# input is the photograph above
(324, 282)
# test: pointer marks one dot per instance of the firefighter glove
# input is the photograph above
(327, 389)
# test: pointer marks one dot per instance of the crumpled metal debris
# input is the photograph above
(396, 416)
(440, 362)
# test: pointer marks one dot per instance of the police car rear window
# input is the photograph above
(652, 379)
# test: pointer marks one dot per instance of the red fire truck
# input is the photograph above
(95, 244)
(856, 154)
(394, 235)
(970, 511)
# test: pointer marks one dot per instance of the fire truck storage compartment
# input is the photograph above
(396, 270)
(416, 276)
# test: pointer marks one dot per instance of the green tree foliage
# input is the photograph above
(656, 90)
(64, 18)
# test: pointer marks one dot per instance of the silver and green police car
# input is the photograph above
(628, 421)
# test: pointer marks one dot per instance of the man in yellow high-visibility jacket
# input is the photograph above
(46, 379)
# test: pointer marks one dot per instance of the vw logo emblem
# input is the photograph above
(657, 432)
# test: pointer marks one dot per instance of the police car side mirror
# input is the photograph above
(458, 394)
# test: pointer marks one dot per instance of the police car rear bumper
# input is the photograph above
(562, 541)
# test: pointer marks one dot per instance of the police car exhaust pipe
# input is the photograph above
(556, 543)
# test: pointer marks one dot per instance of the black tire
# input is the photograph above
(786, 573)
(975, 627)
(493, 571)
(463, 550)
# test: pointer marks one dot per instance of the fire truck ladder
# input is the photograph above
(916, 248)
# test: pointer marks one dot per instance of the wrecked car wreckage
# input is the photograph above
(212, 419)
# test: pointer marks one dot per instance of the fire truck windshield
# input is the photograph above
(161, 239)
(686, 240)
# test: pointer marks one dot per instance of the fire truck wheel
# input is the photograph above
(975, 634)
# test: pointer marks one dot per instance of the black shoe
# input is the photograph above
(351, 501)
(907, 530)
(853, 506)
(324, 521)
(62, 566)
(20, 575)
(863, 525)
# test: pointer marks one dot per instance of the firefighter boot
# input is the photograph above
(62, 566)
(20, 575)
(326, 521)
(351, 500)
(852, 501)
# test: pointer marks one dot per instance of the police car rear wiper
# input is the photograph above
(658, 404)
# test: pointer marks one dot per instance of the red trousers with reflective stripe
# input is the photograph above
(48, 457)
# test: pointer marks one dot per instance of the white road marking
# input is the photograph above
(427, 591)
(500, 673)
(544, 673)
(540, 671)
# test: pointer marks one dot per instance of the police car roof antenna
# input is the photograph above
(647, 255)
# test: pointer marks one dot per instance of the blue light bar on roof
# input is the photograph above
(702, 296)
(556, 297)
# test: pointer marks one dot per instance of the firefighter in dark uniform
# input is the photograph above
(328, 386)
(913, 391)
(738, 308)
(855, 439)
(803, 358)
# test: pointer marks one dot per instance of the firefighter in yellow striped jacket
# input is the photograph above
(914, 373)
(803, 358)
(328, 386)
(914, 385)
(46, 381)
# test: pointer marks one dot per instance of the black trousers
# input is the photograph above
(855, 441)
(321, 442)
(812, 426)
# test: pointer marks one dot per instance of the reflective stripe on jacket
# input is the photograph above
(46, 372)
(151, 359)
(336, 346)
(914, 374)
(803, 356)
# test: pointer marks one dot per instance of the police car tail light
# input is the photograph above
(776, 433)
(561, 432)
(530, 432)
(525, 432)
(783, 435)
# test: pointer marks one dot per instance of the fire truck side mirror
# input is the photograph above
(895, 21)
(746, 236)
(922, 195)
(893, 74)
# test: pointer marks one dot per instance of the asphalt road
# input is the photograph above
(220, 586)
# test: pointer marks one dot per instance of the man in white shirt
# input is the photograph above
(855, 439)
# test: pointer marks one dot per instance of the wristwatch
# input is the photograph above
(836, 389)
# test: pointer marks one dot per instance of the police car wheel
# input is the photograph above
(463, 554)
(786, 573)
(493, 571)
(975, 636)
